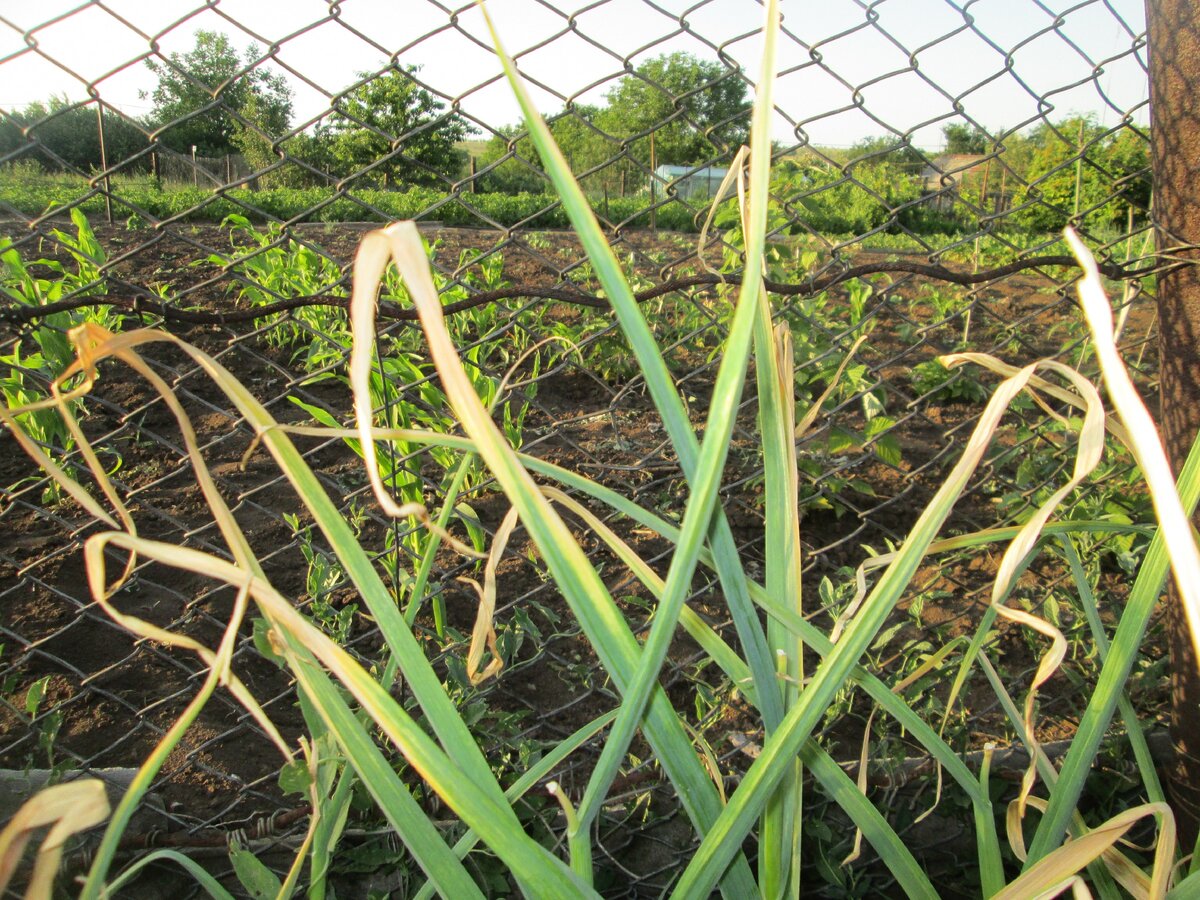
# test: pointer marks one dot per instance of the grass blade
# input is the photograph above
(1056, 870)
(535, 773)
(1126, 646)
(420, 677)
(96, 344)
(706, 480)
(304, 646)
(1129, 717)
(780, 832)
(658, 378)
(701, 632)
(573, 574)
(1102, 881)
(66, 809)
(764, 774)
(203, 877)
(875, 828)
(1126, 643)
(1147, 449)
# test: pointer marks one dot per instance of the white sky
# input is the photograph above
(864, 52)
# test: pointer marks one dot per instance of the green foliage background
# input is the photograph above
(400, 150)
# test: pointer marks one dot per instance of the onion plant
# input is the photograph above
(346, 707)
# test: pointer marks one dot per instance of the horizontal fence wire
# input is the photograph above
(210, 169)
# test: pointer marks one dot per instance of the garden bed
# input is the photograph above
(106, 698)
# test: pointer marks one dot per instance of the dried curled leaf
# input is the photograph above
(68, 809)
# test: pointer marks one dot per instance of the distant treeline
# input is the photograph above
(388, 133)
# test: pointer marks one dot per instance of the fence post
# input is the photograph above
(104, 162)
(1173, 28)
(653, 188)
(1078, 169)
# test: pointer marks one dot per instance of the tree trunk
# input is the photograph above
(1174, 34)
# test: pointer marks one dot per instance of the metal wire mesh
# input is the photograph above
(312, 122)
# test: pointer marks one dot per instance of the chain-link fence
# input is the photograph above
(210, 169)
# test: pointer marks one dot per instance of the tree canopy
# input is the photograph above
(697, 110)
(962, 138)
(211, 74)
(886, 150)
(60, 134)
(393, 125)
(1114, 175)
(387, 123)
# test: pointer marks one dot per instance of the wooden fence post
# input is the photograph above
(1173, 28)
(108, 213)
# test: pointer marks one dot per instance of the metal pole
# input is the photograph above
(983, 188)
(195, 171)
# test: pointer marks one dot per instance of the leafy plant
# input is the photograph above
(857, 198)
(270, 265)
(48, 725)
(372, 115)
(933, 381)
(151, 201)
(187, 84)
(25, 373)
(346, 704)
(323, 575)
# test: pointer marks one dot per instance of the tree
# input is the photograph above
(886, 149)
(211, 71)
(521, 172)
(255, 139)
(1016, 151)
(308, 163)
(1113, 175)
(962, 138)
(582, 142)
(391, 123)
(58, 133)
(1128, 159)
(1173, 27)
(697, 110)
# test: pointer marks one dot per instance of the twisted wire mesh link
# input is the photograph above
(587, 409)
